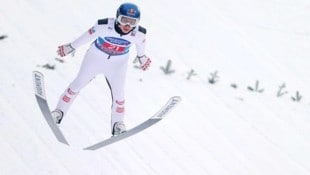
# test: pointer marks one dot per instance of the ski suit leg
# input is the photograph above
(88, 70)
(116, 82)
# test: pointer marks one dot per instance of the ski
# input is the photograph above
(172, 102)
(38, 82)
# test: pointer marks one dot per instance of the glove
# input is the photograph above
(144, 61)
(65, 49)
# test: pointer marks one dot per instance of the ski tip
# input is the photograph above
(176, 98)
(36, 72)
(38, 82)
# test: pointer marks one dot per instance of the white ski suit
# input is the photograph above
(108, 54)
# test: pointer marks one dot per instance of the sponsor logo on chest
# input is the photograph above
(113, 45)
(117, 41)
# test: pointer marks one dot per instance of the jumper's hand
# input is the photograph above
(65, 49)
(144, 62)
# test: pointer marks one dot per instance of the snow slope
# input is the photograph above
(216, 129)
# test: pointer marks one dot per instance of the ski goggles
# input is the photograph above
(125, 20)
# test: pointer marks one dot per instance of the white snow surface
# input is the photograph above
(216, 129)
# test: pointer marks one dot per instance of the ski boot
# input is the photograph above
(57, 115)
(118, 128)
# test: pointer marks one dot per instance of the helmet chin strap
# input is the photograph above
(119, 30)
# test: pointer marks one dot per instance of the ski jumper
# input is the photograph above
(108, 54)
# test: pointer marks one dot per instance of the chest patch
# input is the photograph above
(113, 45)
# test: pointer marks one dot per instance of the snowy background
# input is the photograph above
(218, 129)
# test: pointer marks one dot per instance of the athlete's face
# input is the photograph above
(125, 28)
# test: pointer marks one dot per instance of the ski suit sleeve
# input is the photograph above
(140, 45)
(90, 35)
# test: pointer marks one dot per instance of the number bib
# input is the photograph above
(113, 45)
